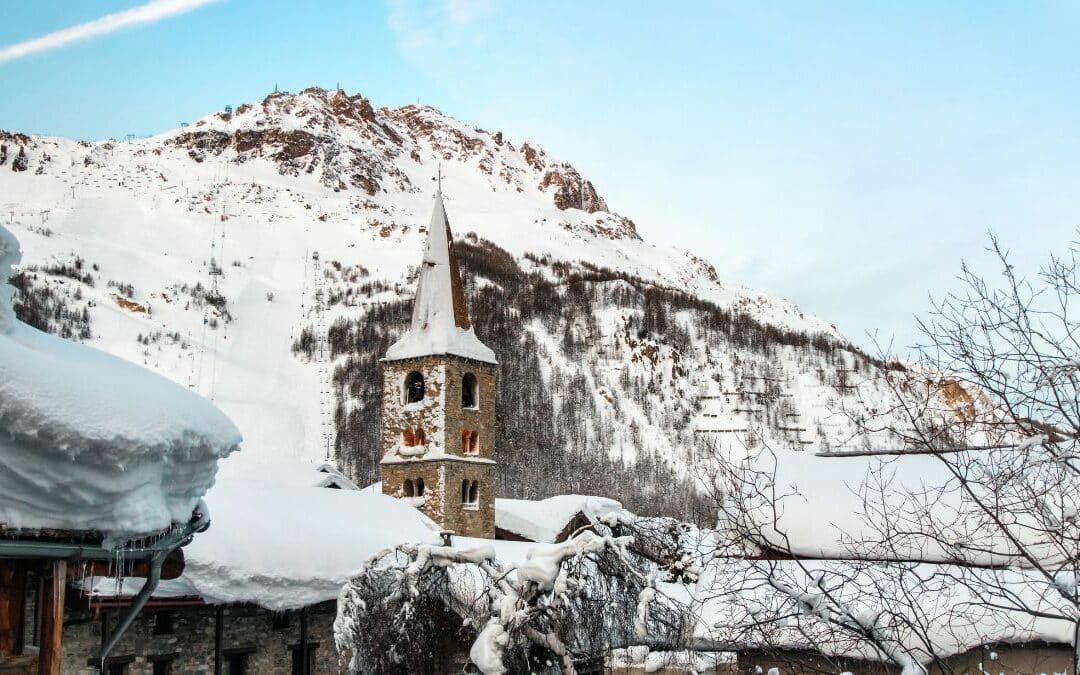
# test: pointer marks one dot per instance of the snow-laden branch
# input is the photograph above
(519, 611)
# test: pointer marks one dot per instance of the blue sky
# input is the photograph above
(845, 155)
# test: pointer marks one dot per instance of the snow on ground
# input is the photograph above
(90, 441)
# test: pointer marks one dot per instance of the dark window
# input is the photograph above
(470, 493)
(118, 665)
(236, 664)
(163, 623)
(469, 392)
(407, 489)
(295, 649)
(280, 620)
(414, 387)
(419, 487)
(162, 665)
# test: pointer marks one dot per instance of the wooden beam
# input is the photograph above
(12, 602)
(219, 618)
(172, 568)
(52, 618)
(305, 665)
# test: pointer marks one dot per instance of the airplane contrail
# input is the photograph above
(151, 12)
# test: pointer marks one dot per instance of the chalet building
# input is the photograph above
(438, 416)
(273, 601)
(35, 568)
(102, 468)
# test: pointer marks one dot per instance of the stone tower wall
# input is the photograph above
(443, 419)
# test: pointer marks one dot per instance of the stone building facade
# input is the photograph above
(438, 415)
(176, 638)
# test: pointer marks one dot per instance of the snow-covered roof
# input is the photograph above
(844, 507)
(292, 474)
(440, 321)
(285, 547)
(91, 442)
(738, 605)
(543, 520)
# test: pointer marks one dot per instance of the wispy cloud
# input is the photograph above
(420, 26)
(151, 12)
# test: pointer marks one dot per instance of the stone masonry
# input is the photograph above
(183, 637)
(442, 461)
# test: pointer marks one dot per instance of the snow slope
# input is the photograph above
(205, 252)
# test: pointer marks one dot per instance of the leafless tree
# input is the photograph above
(993, 402)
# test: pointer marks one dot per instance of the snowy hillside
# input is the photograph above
(265, 259)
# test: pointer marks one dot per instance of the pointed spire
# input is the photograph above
(440, 319)
(439, 272)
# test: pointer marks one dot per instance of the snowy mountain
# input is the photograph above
(265, 258)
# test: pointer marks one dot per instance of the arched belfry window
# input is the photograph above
(470, 442)
(470, 494)
(470, 392)
(407, 488)
(411, 437)
(414, 387)
(419, 487)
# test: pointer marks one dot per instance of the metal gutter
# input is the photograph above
(54, 550)
(200, 521)
(155, 553)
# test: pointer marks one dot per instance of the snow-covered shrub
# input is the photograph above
(564, 603)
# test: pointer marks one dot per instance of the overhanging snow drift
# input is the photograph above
(91, 442)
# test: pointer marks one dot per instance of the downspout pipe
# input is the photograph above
(199, 522)
(133, 610)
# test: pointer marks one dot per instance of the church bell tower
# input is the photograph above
(438, 414)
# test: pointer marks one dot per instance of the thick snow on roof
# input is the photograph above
(918, 606)
(291, 474)
(440, 324)
(543, 520)
(840, 507)
(89, 441)
(285, 547)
